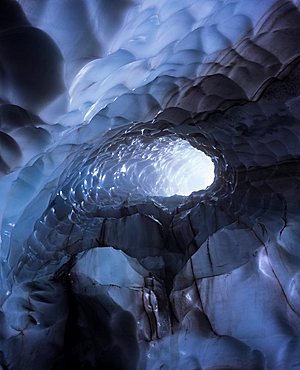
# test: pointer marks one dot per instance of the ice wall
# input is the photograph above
(105, 107)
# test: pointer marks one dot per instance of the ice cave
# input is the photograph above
(149, 186)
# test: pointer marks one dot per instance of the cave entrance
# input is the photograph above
(157, 166)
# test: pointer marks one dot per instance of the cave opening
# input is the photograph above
(162, 166)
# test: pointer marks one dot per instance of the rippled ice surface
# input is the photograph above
(164, 166)
(102, 106)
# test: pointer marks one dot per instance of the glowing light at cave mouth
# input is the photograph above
(182, 169)
(163, 166)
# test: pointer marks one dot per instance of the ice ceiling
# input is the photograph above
(150, 177)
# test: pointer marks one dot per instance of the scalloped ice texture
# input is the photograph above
(165, 166)
(99, 124)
